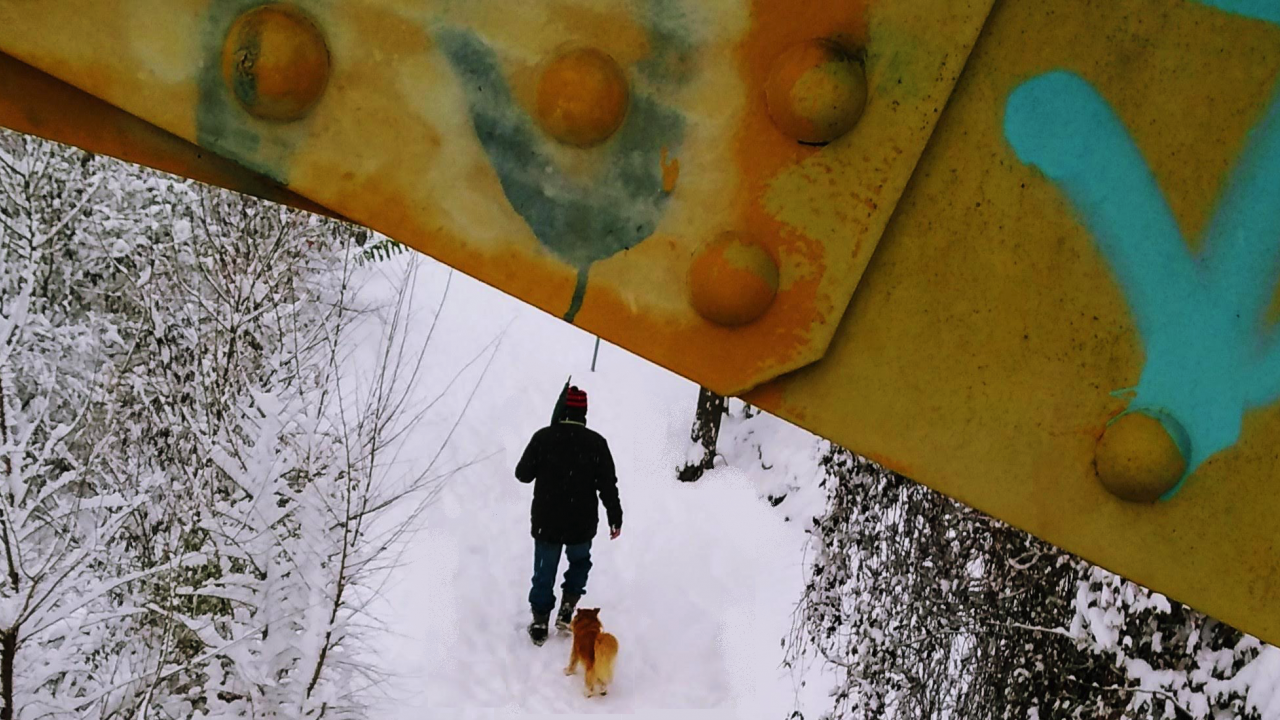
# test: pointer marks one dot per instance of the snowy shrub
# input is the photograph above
(191, 480)
(928, 609)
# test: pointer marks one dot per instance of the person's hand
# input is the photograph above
(614, 531)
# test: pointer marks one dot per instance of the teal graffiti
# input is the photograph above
(1268, 10)
(580, 220)
(1209, 355)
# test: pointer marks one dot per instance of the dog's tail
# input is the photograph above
(606, 652)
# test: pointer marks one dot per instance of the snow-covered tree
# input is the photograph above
(196, 480)
(57, 522)
(926, 608)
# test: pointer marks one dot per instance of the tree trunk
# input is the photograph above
(9, 637)
(8, 649)
(706, 432)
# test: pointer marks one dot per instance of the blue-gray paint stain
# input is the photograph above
(580, 220)
(222, 125)
(1209, 355)
(671, 56)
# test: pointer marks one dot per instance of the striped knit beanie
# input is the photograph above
(575, 399)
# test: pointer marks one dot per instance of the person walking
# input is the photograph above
(570, 466)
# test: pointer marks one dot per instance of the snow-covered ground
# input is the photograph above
(698, 589)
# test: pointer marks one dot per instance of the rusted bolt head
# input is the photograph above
(1140, 456)
(732, 280)
(816, 91)
(582, 97)
(275, 62)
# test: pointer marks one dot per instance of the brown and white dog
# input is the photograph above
(595, 649)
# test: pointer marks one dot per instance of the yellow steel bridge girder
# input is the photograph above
(995, 337)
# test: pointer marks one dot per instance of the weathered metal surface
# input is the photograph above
(38, 104)
(1094, 229)
(426, 127)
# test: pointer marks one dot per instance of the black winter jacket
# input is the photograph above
(571, 465)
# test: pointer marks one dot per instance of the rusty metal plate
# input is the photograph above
(1084, 265)
(670, 214)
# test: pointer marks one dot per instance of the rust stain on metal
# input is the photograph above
(670, 172)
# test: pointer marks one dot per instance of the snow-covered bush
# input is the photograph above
(192, 476)
(926, 608)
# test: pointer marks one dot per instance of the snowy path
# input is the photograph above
(698, 588)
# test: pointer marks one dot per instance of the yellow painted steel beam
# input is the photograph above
(999, 331)
(579, 154)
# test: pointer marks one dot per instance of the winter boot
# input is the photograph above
(538, 628)
(565, 617)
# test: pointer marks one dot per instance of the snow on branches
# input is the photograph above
(924, 608)
(190, 500)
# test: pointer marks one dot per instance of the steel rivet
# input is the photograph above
(582, 97)
(816, 91)
(1139, 457)
(733, 280)
(275, 62)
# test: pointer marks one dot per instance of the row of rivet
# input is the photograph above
(276, 64)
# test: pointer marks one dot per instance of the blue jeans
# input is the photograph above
(546, 560)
